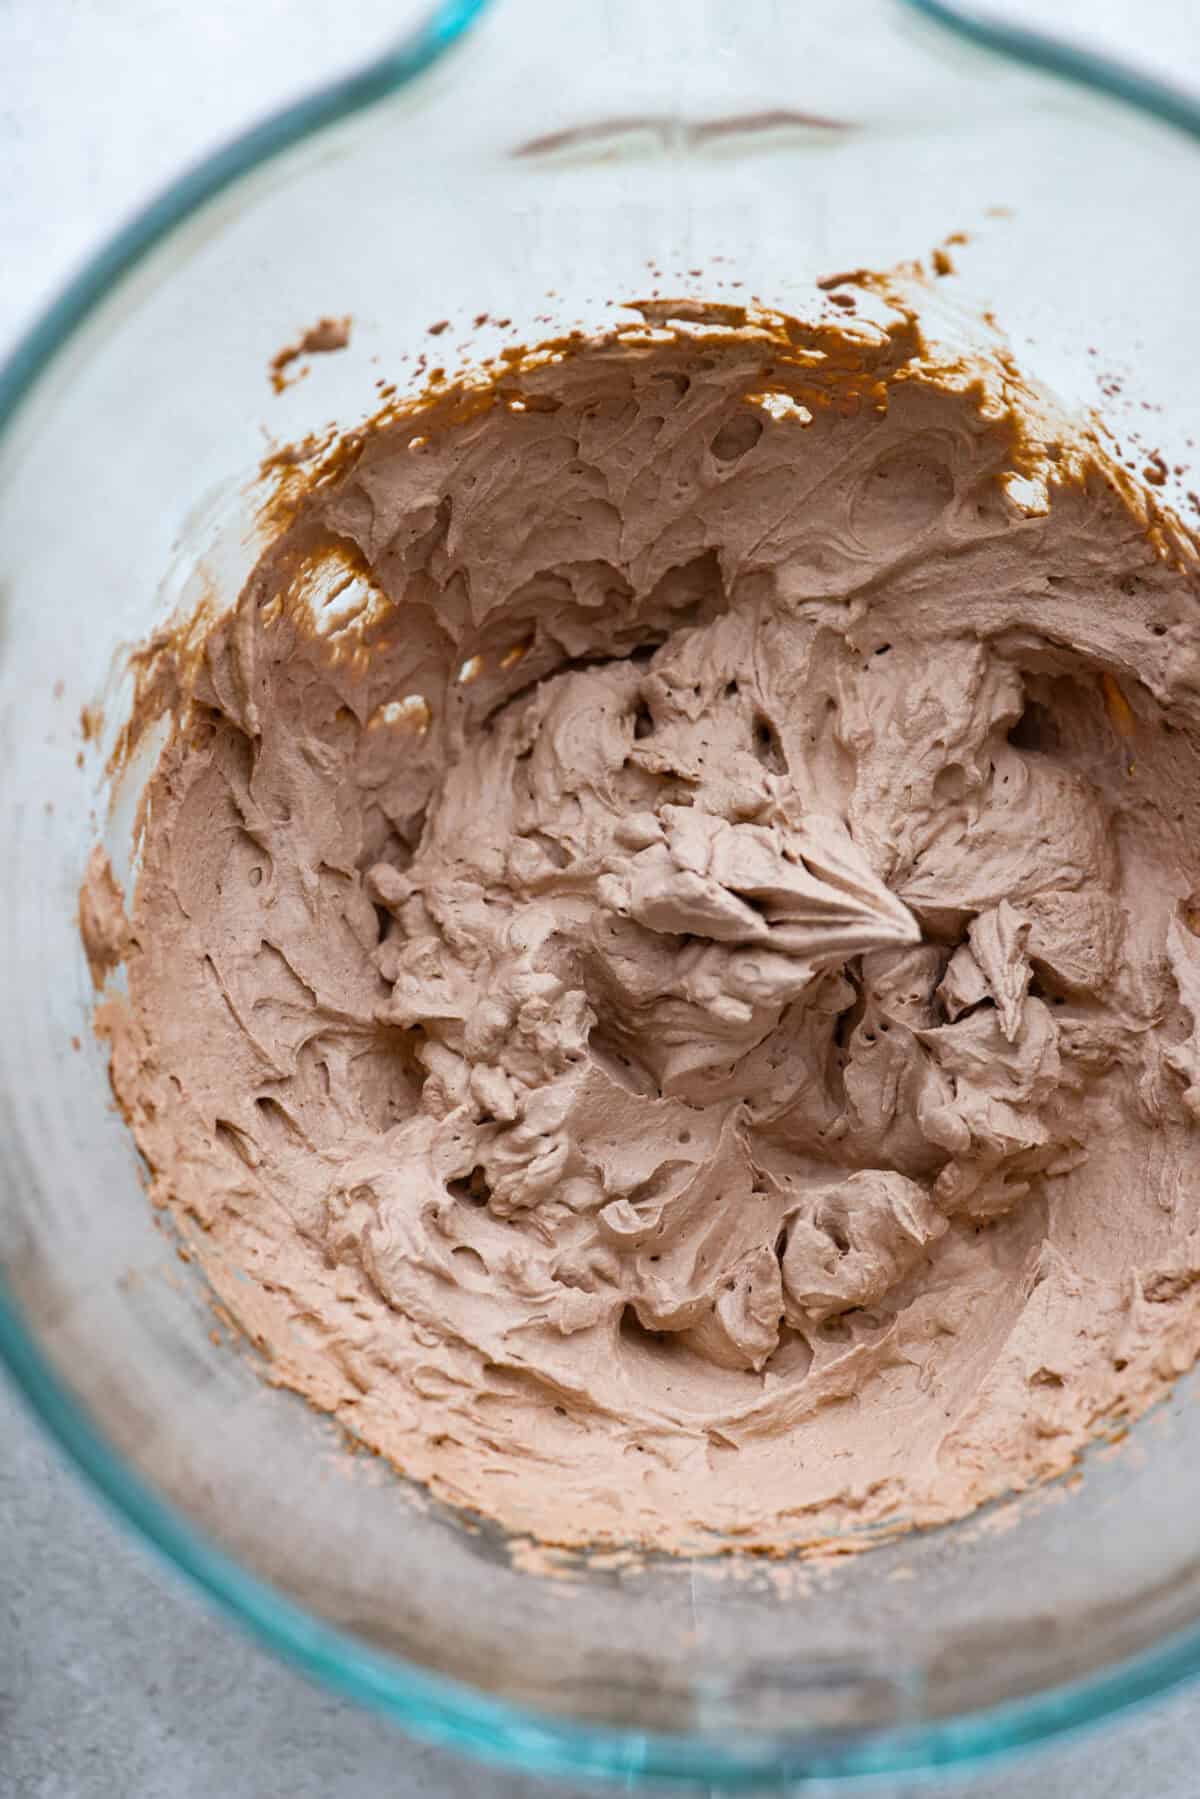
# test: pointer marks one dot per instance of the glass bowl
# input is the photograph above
(538, 167)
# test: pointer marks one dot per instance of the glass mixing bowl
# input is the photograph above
(537, 166)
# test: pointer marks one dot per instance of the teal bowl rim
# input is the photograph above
(431, 1706)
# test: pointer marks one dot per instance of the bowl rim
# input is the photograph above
(432, 1706)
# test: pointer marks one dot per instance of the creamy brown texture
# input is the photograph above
(663, 948)
(102, 922)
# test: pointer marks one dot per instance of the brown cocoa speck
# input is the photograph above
(827, 282)
(326, 335)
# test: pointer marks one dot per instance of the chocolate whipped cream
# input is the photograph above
(663, 963)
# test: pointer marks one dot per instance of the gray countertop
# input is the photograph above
(116, 1680)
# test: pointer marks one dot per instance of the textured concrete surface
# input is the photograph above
(116, 1681)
